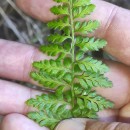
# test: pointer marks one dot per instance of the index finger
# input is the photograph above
(115, 27)
(16, 60)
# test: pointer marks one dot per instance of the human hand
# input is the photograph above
(16, 59)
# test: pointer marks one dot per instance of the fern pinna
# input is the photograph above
(72, 73)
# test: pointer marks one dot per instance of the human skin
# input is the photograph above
(16, 60)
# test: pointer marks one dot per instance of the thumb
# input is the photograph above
(72, 124)
(84, 124)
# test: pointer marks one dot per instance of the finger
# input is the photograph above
(77, 124)
(16, 60)
(115, 27)
(41, 7)
(13, 97)
(119, 93)
(19, 122)
(124, 114)
(72, 124)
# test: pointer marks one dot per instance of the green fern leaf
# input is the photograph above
(57, 38)
(89, 80)
(67, 31)
(89, 114)
(94, 102)
(46, 101)
(91, 65)
(49, 119)
(84, 113)
(53, 50)
(49, 81)
(60, 10)
(49, 105)
(90, 44)
(86, 27)
(81, 12)
(79, 55)
(78, 3)
(62, 1)
(72, 74)
(59, 24)
(52, 67)
(78, 89)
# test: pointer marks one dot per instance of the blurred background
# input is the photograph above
(16, 26)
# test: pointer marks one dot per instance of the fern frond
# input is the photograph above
(53, 50)
(60, 10)
(78, 3)
(94, 102)
(79, 55)
(57, 38)
(86, 27)
(49, 105)
(81, 12)
(52, 67)
(62, 1)
(72, 74)
(59, 24)
(92, 65)
(67, 31)
(89, 80)
(90, 44)
(50, 118)
(84, 113)
(46, 101)
(50, 81)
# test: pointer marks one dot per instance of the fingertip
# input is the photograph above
(19, 122)
(39, 9)
(72, 124)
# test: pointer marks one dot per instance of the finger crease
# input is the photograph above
(27, 108)
(28, 65)
(117, 126)
(111, 18)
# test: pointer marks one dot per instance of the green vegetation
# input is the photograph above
(72, 73)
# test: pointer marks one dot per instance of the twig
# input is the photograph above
(11, 25)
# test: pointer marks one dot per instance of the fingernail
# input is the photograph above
(72, 124)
